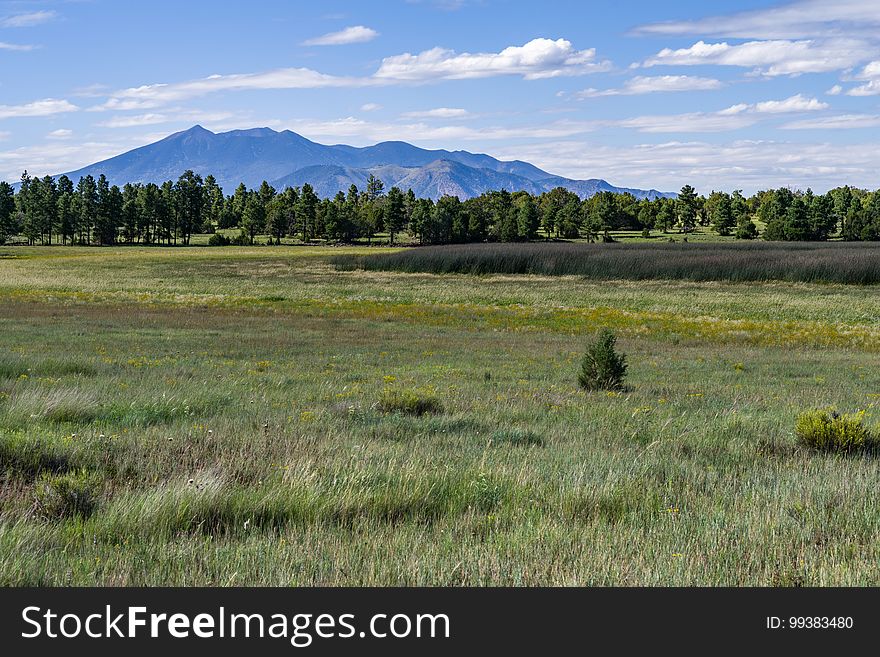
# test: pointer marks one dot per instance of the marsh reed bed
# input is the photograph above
(849, 263)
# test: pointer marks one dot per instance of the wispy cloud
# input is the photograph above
(742, 164)
(792, 20)
(18, 47)
(654, 84)
(735, 117)
(370, 107)
(837, 122)
(173, 115)
(155, 95)
(355, 34)
(28, 20)
(46, 107)
(769, 58)
(61, 133)
(438, 113)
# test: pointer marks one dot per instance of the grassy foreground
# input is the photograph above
(227, 416)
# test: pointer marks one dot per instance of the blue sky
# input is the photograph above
(723, 95)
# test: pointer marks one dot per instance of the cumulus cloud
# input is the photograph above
(797, 103)
(438, 113)
(355, 34)
(28, 20)
(539, 58)
(654, 84)
(46, 107)
(871, 73)
(769, 58)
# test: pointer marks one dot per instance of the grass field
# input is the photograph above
(227, 416)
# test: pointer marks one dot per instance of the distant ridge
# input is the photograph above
(286, 158)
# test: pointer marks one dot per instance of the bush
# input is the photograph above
(410, 402)
(68, 495)
(826, 431)
(602, 367)
(218, 239)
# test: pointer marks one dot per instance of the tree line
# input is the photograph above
(57, 211)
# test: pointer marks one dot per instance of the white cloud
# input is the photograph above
(28, 20)
(136, 120)
(53, 157)
(539, 58)
(370, 107)
(16, 47)
(438, 113)
(361, 132)
(836, 90)
(355, 34)
(769, 58)
(654, 84)
(155, 95)
(734, 117)
(871, 73)
(871, 88)
(61, 133)
(741, 164)
(46, 107)
(173, 115)
(792, 20)
(838, 122)
(797, 103)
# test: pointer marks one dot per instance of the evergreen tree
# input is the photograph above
(7, 212)
(306, 211)
(395, 212)
(686, 207)
(527, 217)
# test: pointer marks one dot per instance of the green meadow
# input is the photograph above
(256, 416)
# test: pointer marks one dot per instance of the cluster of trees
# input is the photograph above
(48, 210)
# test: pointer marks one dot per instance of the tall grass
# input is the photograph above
(855, 263)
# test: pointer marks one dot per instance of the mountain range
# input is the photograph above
(288, 159)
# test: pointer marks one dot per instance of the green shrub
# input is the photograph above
(218, 239)
(69, 495)
(826, 431)
(410, 402)
(602, 367)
